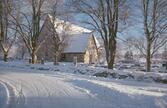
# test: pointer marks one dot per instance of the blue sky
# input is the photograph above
(134, 23)
(133, 30)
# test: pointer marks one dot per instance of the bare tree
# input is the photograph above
(29, 29)
(7, 35)
(60, 39)
(155, 27)
(56, 38)
(36, 18)
(105, 18)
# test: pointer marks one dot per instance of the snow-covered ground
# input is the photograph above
(64, 86)
(3, 95)
(89, 70)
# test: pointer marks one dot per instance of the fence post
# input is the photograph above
(75, 61)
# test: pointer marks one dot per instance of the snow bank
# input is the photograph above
(89, 70)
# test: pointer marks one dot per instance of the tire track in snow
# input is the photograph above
(33, 88)
(46, 89)
(11, 100)
(82, 91)
(20, 83)
(51, 87)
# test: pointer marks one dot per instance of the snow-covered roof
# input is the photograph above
(78, 37)
(61, 26)
(77, 43)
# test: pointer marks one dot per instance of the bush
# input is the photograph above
(102, 74)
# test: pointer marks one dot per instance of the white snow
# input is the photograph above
(77, 37)
(77, 43)
(65, 26)
(3, 95)
(46, 86)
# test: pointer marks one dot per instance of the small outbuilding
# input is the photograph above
(81, 46)
(80, 43)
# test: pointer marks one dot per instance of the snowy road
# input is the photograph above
(41, 90)
(3, 95)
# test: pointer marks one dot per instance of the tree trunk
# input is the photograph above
(148, 68)
(112, 59)
(111, 64)
(33, 58)
(5, 58)
(112, 50)
(56, 59)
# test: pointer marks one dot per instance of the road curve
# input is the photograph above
(7, 95)
(41, 91)
(38, 90)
